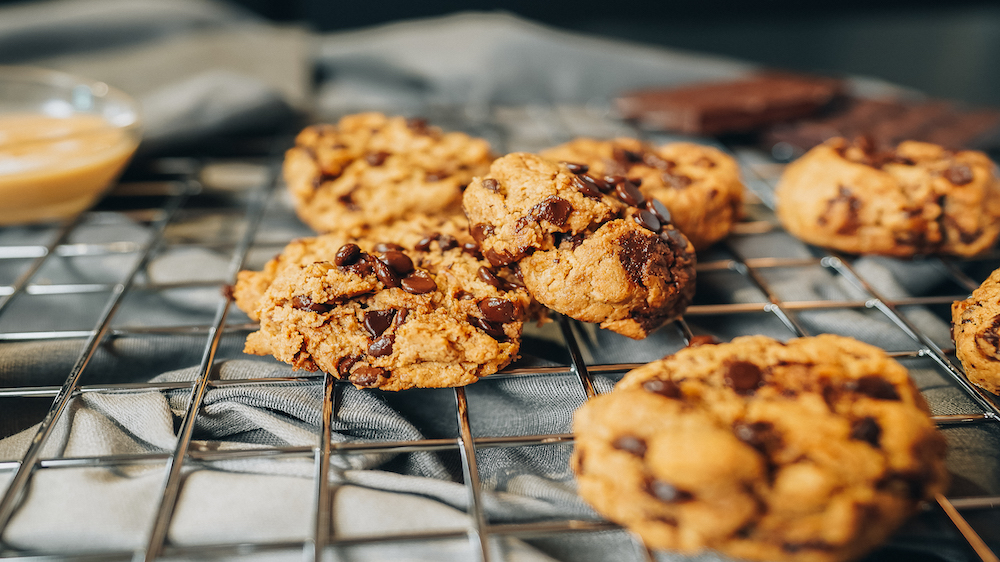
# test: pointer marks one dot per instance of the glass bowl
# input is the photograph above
(63, 140)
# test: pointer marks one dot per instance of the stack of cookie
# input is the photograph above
(433, 254)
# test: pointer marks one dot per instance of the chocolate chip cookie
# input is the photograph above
(975, 322)
(816, 450)
(698, 184)
(596, 250)
(381, 315)
(916, 199)
(370, 170)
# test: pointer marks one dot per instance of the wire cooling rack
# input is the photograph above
(223, 202)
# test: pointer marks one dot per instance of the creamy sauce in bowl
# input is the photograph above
(52, 167)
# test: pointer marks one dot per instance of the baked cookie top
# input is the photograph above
(370, 169)
(815, 450)
(383, 316)
(975, 325)
(595, 250)
(916, 199)
(699, 185)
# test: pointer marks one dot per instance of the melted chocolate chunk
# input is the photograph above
(634, 252)
(366, 376)
(424, 244)
(345, 364)
(472, 249)
(629, 194)
(630, 444)
(851, 204)
(492, 329)
(385, 274)
(347, 200)
(487, 276)
(377, 321)
(418, 283)
(647, 220)
(347, 254)
(398, 262)
(759, 435)
(498, 310)
(361, 267)
(659, 209)
(873, 386)
(990, 334)
(388, 247)
(464, 295)
(499, 258)
(587, 189)
(867, 429)
(667, 388)
(447, 242)
(304, 302)
(626, 156)
(959, 174)
(744, 377)
(382, 346)
(491, 185)
(553, 209)
(577, 168)
(376, 158)
(481, 232)
(667, 492)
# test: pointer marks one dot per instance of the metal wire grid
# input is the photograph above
(555, 126)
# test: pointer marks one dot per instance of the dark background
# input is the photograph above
(946, 49)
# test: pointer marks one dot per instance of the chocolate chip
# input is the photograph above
(345, 364)
(587, 189)
(436, 175)
(658, 209)
(385, 274)
(602, 185)
(623, 155)
(873, 386)
(366, 376)
(677, 181)
(424, 244)
(487, 276)
(667, 492)
(577, 168)
(382, 346)
(667, 388)
(481, 232)
(630, 444)
(867, 429)
(498, 310)
(347, 200)
(400, 317)
(647, 220)
(744, 377)
(417, 124)
(553, 209)
(464, 295)
(635, 250)
(400, 263)
(347, 254)
(388, 247)
(629, 194)
(636, 181)
(376, 158)
(499, 258)
(377, 321)
(759, 435)
(495, 331)
(447, 242)
(472, 249)
(491, 184)
(304, 302)
(959, 174)
(361, 267)
(418, 283)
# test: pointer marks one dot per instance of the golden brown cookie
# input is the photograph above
(698, 184)
(370, 170)
(917, 199)
(591, 249)
(975, 323)
(815, 450)
(384, 316)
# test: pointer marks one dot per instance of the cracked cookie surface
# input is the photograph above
(699, 185)
(975, 325)
(814, 450)
(383, 315)
(594, 250)
(370, 170)
(916, 199)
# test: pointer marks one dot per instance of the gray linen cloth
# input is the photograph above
(201, 68)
